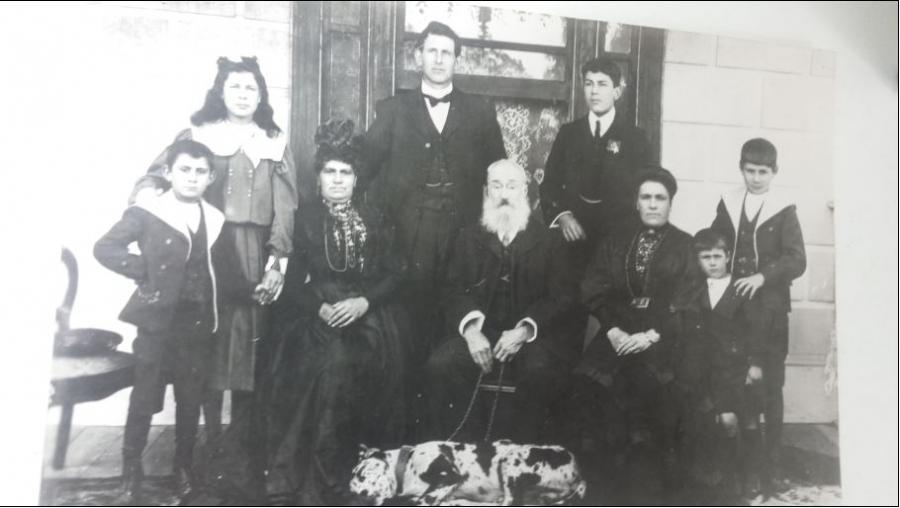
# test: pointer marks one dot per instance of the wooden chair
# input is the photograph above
(86, 365)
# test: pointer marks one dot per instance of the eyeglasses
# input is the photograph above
(512, 185)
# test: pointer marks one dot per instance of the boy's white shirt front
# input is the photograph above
(753, 202)
(774, 202)
(606, 121)
(716, 288)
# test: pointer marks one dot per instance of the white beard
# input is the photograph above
(507, 220)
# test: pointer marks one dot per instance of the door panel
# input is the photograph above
(352, 54)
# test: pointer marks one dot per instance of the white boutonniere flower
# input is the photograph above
(613, 146)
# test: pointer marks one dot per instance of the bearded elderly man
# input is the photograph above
(510, 299)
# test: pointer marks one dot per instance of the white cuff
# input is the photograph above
(282, 264)
(475, 315)
(528, 320)
(555, 222)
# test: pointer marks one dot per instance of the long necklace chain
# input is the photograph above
(631, 252)
(328, 256)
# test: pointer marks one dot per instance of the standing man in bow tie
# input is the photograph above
(589, 175)
(427, 152)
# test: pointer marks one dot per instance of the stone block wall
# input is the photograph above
(719, 92)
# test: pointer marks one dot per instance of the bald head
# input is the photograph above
(506, 170)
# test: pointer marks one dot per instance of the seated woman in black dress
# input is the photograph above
(340, 377)
(626, 371)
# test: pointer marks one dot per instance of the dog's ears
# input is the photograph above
(365, 452)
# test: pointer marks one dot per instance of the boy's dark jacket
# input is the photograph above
(624, 150)
(164, 242)
(735, 326)
(780, 254)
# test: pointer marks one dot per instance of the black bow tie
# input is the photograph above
(433, 101)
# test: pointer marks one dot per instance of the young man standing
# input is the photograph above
(589, 175)
(428, 151)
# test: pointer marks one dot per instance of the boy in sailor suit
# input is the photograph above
(174, 306)
(767, 245)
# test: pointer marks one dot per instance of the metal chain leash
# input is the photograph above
(471, 405)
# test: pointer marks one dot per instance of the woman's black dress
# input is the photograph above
(335, 388)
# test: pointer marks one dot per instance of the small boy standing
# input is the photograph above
(768, 254)
(174, 306)
(722, 335)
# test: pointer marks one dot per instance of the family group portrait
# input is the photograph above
(416, 253)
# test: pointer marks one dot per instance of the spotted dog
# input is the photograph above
(440, 473)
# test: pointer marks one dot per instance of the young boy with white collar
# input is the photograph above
(768, 254)
(722, 335)
(174, 306)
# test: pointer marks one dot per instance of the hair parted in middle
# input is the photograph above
(214, 109)
(658, 174)
(336, 140)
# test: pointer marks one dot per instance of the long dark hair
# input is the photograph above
(214, 107)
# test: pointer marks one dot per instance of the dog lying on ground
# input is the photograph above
(441, 472)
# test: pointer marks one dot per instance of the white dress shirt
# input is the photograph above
(439, 111)
(606, 120)
(717, 288)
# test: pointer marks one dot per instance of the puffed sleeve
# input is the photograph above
(285, 198)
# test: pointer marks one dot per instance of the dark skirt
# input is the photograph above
(241, 326)
(335, 389)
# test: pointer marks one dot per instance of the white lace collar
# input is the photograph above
(225, 138)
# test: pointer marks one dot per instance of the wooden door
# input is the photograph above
(350, 54)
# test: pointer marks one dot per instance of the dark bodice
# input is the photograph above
(321, 271)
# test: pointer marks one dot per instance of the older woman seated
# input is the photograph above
(344, 348)
(629, 287)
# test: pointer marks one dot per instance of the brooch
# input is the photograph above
(613, 146)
